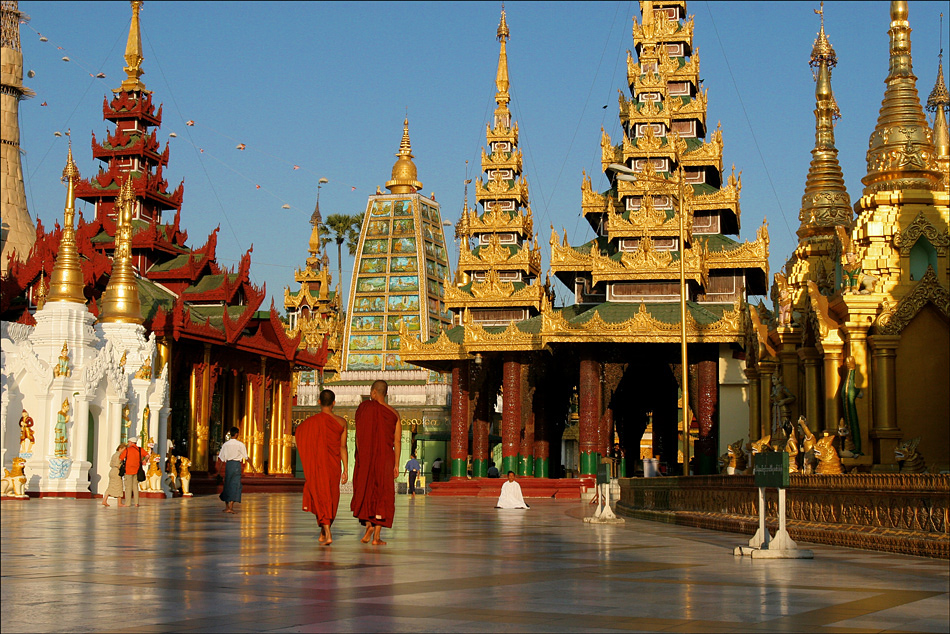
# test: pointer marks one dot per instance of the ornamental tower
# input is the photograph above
(939, 103)
(313, 310)
(18, 232)
(400, 268)
(499, 258)
(131, 149)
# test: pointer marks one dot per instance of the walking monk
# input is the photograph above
(321, 443)
(378, 439)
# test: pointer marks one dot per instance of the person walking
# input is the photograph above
(378, 440)
(133, 457)
(321, 444)
(412, 467)
(114, 489)
(233, 453)
(437, 469)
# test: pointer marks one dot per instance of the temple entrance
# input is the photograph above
(647, 394)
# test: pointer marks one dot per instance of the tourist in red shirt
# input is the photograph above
(133, 456)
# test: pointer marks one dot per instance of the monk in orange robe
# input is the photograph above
(321, 443)
(378, 440)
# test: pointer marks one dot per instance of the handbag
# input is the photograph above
(141, 473)
(122, 469)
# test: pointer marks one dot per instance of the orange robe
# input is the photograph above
(318, 443)
(374, 491)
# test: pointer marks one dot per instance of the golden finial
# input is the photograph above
(501, 79)
(133, 53)
(41, 291)
(939, 102)
(66, 282)
(825, 203)
(822, 50)
(404, 170)
(120, 301)
(901, 151)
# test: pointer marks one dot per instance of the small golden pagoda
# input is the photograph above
(861, 334)
(313, 311)
(499, 261)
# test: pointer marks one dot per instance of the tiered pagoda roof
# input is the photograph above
(499, 262)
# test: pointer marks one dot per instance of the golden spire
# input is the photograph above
(66, 283)
(120, 301)
(133, 53)
(501, 79)
(938, 102)
(901, 152)
(404, 170)
(826, 202)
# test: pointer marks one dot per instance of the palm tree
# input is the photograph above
(341, 228)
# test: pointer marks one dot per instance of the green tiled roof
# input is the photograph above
(703, 189)
(207, 283)
(176, 262)
(153, 297)
(717, 242)
(667, 312)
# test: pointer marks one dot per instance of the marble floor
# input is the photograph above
(452, 564)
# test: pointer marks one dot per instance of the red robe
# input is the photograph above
(318, 443)
(374, 491)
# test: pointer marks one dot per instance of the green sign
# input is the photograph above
(771, 470)
(603, 476)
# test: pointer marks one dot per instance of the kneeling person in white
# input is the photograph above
(511, 497)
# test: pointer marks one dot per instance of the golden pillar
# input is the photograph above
(256, 422)
(200, 462)
(884, 430)
(812, 408)
(165, 356)
(755, 408)
(788, 357)
(275, 444)
(194, 411)
(287, 446)
(250, 417)
(832, 376)
(767, 370)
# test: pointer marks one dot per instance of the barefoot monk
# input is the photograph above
(321, 443)
(378, 439)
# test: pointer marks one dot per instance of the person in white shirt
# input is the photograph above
(511, 497)
(232, 454)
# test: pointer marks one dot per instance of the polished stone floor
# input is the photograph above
(455, 565)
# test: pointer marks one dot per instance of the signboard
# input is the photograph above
(603, 475)
(771, 470)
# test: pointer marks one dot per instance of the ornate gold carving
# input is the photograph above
(893, 319)
(745, 255)
(495, 254)
(492, 292)
(646, 263)
(920, 226)
(145, 372)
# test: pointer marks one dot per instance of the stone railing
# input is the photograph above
(865, 510)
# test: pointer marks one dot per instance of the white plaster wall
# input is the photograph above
(733, 399)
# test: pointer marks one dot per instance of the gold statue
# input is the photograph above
(828, 460)
(791, 448)
(855, 280)
(145, 416)
(848, 449)
(27, 438)
(170, 461)
(125, 356)
(808, 447)
(61, 439)
(735, 459)
(126, 422)
(762, 445)
(62, 367)
(153, 477)
(184, 476)
(909, 458)
(145, 372)
(14, 480)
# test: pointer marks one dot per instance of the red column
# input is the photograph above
(511, 415)
(459, 441)
(589, 397)
(707, 401)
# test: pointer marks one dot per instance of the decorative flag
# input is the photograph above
(296, 167)
(258, 186)
(352, 189)
(190, 122)
(202, 150)
(43, 104)
(65, 59)
(43, 38)
(241, 146)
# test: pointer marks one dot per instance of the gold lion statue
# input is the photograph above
(14, 480)
(828, 461)
(909, 458)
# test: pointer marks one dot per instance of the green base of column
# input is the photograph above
(589, 462)
(508, 463)
(526, 466)
(541, 467)
(479, 468)
(459, 468)
(623, 468)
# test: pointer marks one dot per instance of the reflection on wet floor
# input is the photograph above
(454, 565)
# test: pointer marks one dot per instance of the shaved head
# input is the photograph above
(380, 387)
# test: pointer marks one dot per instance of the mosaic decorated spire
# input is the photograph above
(901, 152)
(499, 259)
(939, 103)
(667, 163)
(826, 203)
(66, 282)
(400, 266)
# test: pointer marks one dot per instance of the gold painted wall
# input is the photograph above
(923, 377)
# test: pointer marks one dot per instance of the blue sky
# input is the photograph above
(326, 86)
